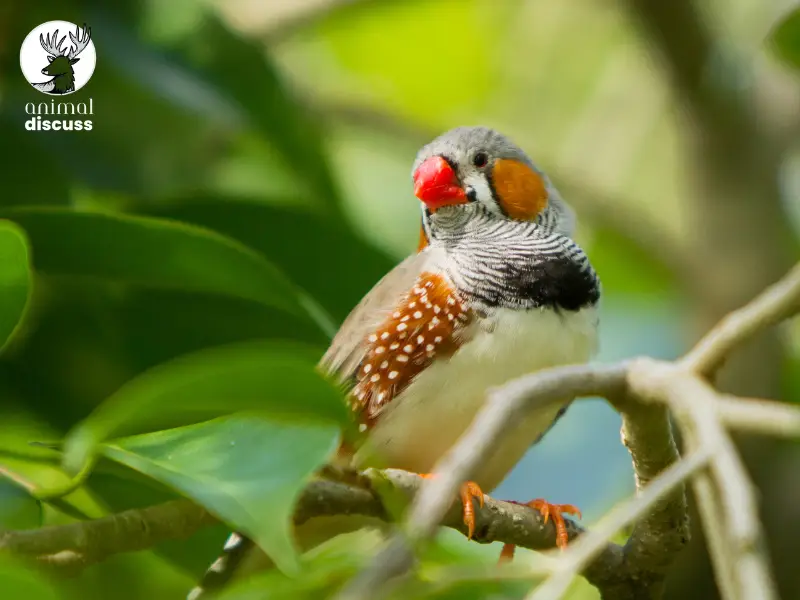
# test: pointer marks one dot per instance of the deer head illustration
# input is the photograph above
(62, 59)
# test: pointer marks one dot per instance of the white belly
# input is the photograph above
(427, 418)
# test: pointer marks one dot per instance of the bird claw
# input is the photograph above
(468, 491)
(556, 511)
(548, 511)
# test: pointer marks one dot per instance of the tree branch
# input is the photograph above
(78, 545)
(73, 547)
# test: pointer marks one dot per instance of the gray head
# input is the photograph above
(470, 165)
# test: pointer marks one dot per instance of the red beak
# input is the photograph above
(436, 184)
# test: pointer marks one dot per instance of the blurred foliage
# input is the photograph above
(176, 272)
(785, 38)
(16, 582)
(19, 509)
(15, 278)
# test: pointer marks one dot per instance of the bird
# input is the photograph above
(496, 289)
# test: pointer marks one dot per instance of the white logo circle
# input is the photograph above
(58, 57)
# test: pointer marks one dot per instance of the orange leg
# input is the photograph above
(469, 490)
(547, 510)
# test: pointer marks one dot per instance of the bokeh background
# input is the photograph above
(673, 129)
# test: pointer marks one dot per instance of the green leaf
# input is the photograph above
(17, 581)
(317, 253)
(331, 565)
(325, 569)
(272, 376)
(785, 39)
(18, 508)
(15, 279)
(32, 465)
(246, 469)
(156, 252)
(160, 325)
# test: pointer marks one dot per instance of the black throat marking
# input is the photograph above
(498, 262)
(555, 282)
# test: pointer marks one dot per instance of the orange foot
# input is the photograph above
(547, 510)
(469, 490)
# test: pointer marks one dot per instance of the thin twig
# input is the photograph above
(714, 528)
(736, 495)
(753, 415)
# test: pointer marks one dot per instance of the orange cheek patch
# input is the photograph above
(520, 190)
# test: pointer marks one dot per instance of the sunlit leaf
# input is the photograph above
(363, 41)
(15, 278)
(246, 469)
(155, 252)
(277, 377)
(785, 39)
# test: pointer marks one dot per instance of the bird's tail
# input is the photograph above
(222, 570)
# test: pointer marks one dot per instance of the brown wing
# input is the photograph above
(348, 347)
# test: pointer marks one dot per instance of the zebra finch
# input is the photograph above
(497, 289)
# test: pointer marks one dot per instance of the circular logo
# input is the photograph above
(58, 57)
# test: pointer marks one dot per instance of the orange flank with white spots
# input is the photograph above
(425, 324)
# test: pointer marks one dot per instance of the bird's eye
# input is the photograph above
(480, 159)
